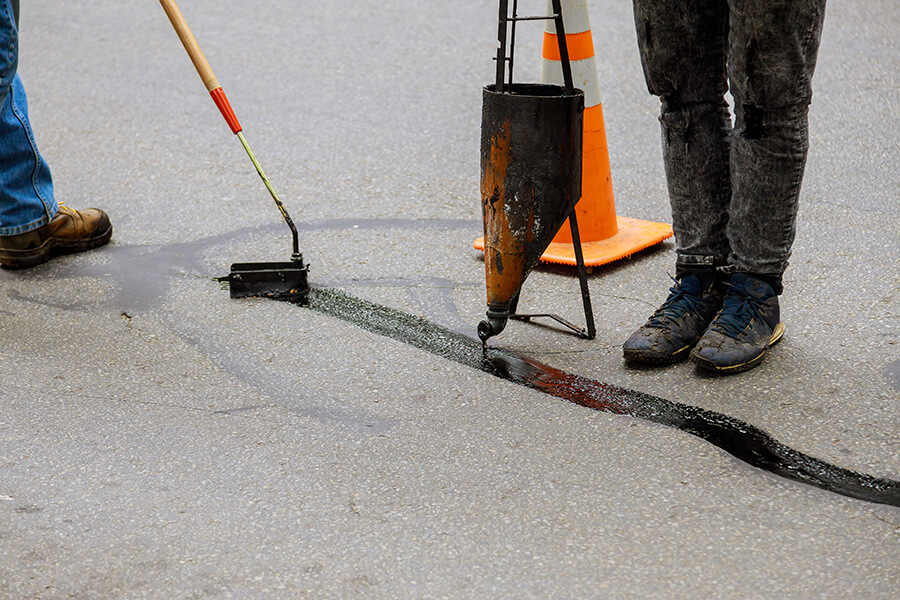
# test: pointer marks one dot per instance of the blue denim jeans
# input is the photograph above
(733, 187)
(26, 188)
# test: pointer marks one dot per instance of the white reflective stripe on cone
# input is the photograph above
(584, 77)
(575, 16)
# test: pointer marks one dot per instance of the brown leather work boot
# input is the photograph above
(70, 231)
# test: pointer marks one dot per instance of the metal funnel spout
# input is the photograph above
(496, 321)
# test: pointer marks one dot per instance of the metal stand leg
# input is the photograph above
(582, 277)
(590, 332)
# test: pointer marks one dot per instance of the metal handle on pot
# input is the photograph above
(502, 59)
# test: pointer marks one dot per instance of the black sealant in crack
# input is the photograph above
(144, 287)
(744, 441)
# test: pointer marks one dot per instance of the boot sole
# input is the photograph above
(712, 367)
(650, 358)
(24, 259)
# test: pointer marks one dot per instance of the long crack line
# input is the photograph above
(740, 439)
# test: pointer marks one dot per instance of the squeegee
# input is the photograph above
(282, 280)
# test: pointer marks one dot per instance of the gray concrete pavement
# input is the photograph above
(159, 440)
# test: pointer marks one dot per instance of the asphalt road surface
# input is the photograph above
(161, 440)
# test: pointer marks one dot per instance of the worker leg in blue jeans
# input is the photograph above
(26, 188)
(33, 227)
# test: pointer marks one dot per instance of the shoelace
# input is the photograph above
(677, 304)
(738, 311)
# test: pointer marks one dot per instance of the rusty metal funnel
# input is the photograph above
(530, 182)
(531, 152)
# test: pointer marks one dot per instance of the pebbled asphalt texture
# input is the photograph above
(160, 440)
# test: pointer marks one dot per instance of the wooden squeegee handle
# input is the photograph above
(200, 63)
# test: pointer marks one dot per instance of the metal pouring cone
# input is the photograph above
(530, 181)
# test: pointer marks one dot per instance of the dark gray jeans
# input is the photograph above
(733, 189)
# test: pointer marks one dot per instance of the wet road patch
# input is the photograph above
(740, 439)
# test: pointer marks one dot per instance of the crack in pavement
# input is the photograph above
(144, 273)
(740, 439)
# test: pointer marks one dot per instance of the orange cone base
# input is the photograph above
(634, 235)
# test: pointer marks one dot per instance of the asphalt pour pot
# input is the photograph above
(531, 149)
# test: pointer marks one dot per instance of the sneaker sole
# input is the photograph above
(650, 358)
(712, 367)
(24, 259)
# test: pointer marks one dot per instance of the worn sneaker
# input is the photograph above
(70, 231)
(675, 327)
(747, 325)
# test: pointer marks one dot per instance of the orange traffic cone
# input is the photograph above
(605, 237)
